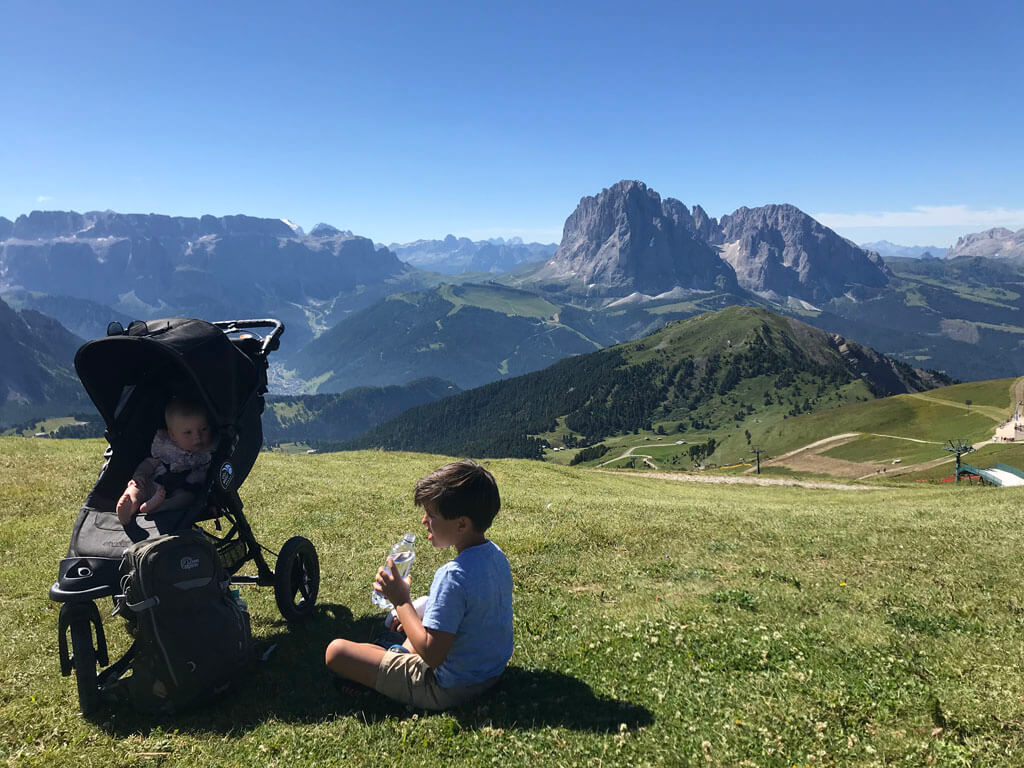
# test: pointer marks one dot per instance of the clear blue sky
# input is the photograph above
(896, 120)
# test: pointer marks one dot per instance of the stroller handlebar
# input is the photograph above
(270, 342)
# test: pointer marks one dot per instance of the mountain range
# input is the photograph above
(149, 265)
(888, 250)
(456, 255)
(629, 262)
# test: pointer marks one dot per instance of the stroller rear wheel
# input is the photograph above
(84, 660)
(297, 579)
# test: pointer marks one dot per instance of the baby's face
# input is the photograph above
(190, 433)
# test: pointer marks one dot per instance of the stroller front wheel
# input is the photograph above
(297, 579)
(84, 660)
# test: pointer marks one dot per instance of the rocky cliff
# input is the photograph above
(626, 239)
(998, 243)
(149, 265)
(779, 251)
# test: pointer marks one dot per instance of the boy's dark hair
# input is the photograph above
(462, 488)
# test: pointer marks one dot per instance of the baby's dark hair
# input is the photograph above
(180, 408)
(462, 488)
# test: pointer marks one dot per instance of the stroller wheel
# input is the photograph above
(84, 659)
(297, 579)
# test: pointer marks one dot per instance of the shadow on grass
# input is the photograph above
(292, 685)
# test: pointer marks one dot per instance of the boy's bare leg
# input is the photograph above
(154, 502)
(128, 504)
(354, 661)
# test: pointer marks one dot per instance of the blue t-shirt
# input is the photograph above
(471, 597)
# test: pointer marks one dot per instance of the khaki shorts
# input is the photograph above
(406, 677)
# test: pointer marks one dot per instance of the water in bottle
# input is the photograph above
(403, 553)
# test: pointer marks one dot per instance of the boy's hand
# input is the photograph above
(394, 589)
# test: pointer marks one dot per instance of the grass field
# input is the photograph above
(872, 448)
(933, 417)
(657, 623)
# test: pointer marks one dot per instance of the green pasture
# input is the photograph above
(876, 449)
(657, 623)
(43, 425)
(507, 301)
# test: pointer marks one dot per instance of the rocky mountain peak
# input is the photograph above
(627, 239)
(326, 230)
(780, 251)
(997, 243)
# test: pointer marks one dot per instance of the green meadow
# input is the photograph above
(912, 428)
(657, 623)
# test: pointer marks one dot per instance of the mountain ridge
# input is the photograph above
(692, 371)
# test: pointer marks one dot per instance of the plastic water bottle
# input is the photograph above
(403, 553)
(237, 596)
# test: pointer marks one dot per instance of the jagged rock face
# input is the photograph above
(780, 250)
(228, 263)
(998, 243)
(627, 239)
(6, 227)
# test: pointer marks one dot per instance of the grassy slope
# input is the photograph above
(935, 416)
(655, 623)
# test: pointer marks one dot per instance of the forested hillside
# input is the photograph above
(694, 374)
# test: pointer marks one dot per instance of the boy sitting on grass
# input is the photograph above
(464, 640)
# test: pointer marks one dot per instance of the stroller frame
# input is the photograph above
(91, 569)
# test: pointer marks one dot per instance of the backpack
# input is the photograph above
(192, 636)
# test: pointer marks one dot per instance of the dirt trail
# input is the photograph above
(645, 456)
(1017, 392)
(744, 480)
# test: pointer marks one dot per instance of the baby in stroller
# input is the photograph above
(138, 379)
(172, 476)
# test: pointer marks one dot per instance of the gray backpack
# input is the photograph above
(192, 636)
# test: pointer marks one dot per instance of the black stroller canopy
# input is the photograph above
(186, 357)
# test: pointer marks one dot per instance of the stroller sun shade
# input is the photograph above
(185, 357)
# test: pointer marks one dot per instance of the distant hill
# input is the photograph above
(313, 419)
(469, 334)
(887, 250)
(82, 317)
(698, 373)
(962, 316)
(454, 255)
(999, 243)
(37, 375)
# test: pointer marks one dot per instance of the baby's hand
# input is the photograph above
(148, 507)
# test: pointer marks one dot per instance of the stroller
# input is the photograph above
(130, 375)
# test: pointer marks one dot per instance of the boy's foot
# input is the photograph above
(387, 639)
(349, 688)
